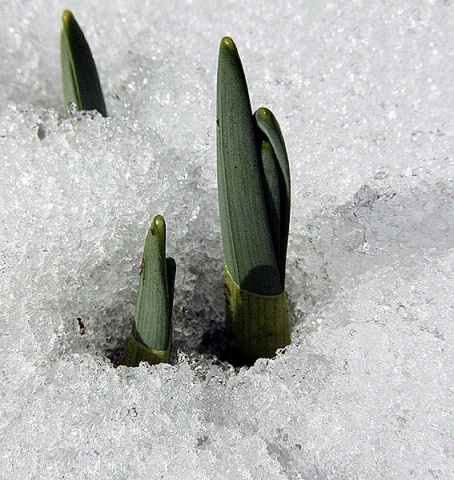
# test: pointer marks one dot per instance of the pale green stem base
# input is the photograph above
(137, 352)
(259, 324)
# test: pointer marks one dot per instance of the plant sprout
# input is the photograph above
(151, 336)
(81, 85)
(254, 204)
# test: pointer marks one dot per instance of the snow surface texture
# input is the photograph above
(363, 92)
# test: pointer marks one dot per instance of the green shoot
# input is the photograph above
(151, 335)
(81, 85)
(254, 204)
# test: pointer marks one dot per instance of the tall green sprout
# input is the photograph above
(254, 204)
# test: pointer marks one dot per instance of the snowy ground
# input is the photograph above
(363, 92)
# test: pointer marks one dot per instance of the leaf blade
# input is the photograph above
(248, 247)
(276, 171)
(152, 325)
(81, 84)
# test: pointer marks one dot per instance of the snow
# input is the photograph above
(363, 92)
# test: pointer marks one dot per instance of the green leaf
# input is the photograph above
(151, 337)
(152, 318)
(276, 181)
(247, 239)
(81, 85)
(254, 204)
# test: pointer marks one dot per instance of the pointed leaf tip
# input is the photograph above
(67, 17)
(265, 114)
(228, 44)
(267, 121)
(228, 49)
(158, 226)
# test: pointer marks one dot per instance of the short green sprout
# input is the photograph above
(151, 336)
(81, 85)
(254, 204)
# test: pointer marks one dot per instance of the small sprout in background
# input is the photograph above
(81, 85)
(254, 204)
(151, 336)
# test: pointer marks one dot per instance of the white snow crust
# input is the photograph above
(363, 92)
